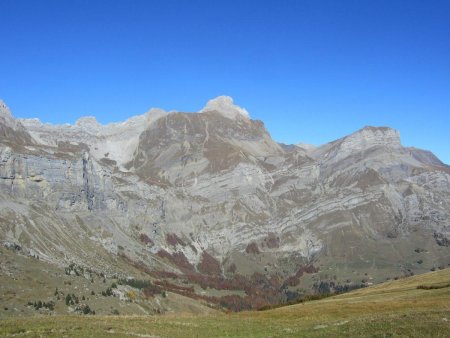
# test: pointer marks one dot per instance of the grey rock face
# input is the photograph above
(219, 182)
(12, 131)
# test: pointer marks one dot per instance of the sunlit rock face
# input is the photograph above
(218, 182)
(225, 106)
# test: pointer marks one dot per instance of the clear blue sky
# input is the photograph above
(313, 71)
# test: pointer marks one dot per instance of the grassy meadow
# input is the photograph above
(417, 306)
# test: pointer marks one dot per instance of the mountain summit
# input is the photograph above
(224, 105)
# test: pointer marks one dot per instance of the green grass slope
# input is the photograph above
(418, 306)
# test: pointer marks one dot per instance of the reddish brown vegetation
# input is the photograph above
(235, 303)
(272, 241)
(138, 265)
(252, 248)
(262, 291)
(177, 258)
(232, 268)
(306, 269)
(146, 240)
(292, 281)
(186, 291)
(163, 274)
(238, 282)
(151, 290)
(209, 265)
(295, 279)
(173, 240)
(175, 288)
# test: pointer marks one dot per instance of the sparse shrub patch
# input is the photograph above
(252, 248)
(50, 305)
(177, 258)
(146, 240)
(172, 239)
(434, 286)
(209, 265)
(272, 241)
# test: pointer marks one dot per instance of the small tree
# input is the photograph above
(86, 310)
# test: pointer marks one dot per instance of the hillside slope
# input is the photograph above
(395, 308)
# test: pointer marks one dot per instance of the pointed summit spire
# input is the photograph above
(6, 116)
(225, 106)
(4, 110)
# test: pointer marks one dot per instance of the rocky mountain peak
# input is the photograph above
(369, 136)
(225, 106)
(153, 114)
(89, 123)
(3, 107)
(6, 116)
(11, 129)
(359, 141)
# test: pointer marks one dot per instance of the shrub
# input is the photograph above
(71, 299)
(232, 268)
(151, 290)
(177, 258)
(50, 305)
(292, 281)
(209, 265)
(135, 283)
(434, 286)
(84, 309)
(173, 240)
(252, 248)
(146, 240)
(272, 241)
(131, 295)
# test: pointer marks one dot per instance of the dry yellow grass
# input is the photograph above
(392, 309)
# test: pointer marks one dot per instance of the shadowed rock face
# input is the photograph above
(219, 183)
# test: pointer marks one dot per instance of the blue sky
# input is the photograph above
(313, 71)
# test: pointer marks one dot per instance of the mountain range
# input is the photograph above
(206, 209)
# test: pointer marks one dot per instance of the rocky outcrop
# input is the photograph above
(11, 131)
(113, 142)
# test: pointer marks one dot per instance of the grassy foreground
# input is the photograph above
(392, 309)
